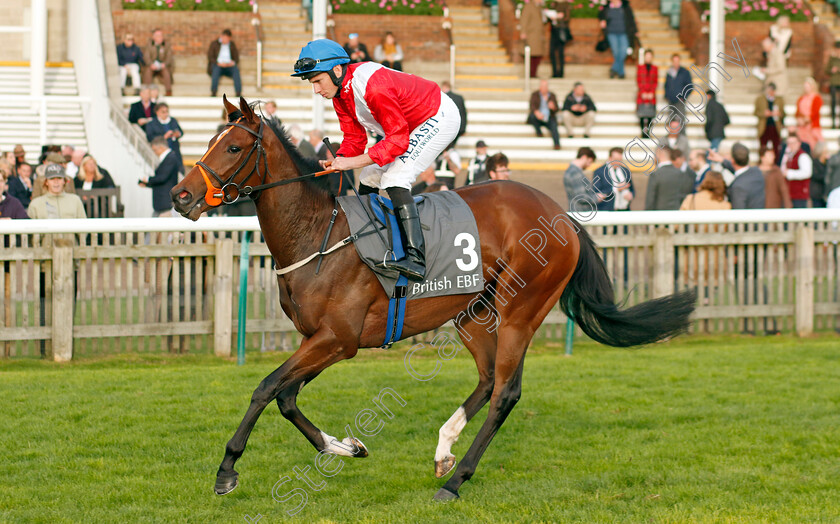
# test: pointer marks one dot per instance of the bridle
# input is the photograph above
(216, 196)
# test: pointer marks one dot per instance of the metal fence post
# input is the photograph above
(527, 69)
(223, 296)
(570, 336)
(243, 297)
(452, 67)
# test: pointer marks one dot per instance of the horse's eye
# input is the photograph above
(234, 149)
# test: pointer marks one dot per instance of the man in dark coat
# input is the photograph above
(667, 186)
(166, 177)
(167, 127)
(613, 184)
(357, 51)
(747, 190)
(676, 79)
(542, 111)
(459, 103)
(716, 120)
(223, 60)
(143, 111)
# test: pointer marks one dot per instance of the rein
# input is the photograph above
(216, 196)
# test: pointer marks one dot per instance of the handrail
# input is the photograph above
(256, 21)
(602, 218)
(133, 134)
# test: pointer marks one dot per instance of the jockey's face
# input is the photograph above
(323, 85)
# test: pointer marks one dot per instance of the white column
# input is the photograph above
(717, 30)
(38, 47)
(319, 30)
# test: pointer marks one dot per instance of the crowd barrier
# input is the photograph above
(100, 286)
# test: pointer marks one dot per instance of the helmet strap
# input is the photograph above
(338, 81)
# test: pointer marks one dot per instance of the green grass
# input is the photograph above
(702, 429)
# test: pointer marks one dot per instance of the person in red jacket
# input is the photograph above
(647, 78)
(411, 113)
(808, 113)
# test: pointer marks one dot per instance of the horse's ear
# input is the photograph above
(247, 111)
(229, 108)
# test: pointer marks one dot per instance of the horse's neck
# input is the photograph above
(293, 219)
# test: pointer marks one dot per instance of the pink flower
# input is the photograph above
(773, 11)
(388, 8)
(794, 10)
(806, 12)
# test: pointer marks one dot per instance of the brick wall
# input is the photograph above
(189, 32)
(823, 43)
(15, 46)
(421, 37)
(749, 36)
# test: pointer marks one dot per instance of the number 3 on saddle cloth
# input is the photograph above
(453, 250)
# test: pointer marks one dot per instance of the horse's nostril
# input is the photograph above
(183, 195)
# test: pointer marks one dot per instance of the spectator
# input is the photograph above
(816, 188)
(679, 161)
(776, 192)
(578, 110)
(833, 200)
(559, 17)
(619, 24)
(91, 177)
(770, 111)
(711, 195)
(67, 152)
(167, 127)
(543, 112)
(716, 120)
(782, 34)
(477, 168)
(832, 174)
(667, 186)
(532, 31)
(389, 53)
(20, 185)
(579, 191)
(305, 148)
(38, 187)
(271, 112)
(316, 140)
(676, 80)
(776, 71)
(56, 202)
(154, 93)
(75, 161)
(160, 61)
(448, 166)
(797, 166)
(613, 185)
(143, 111)
(647, 80)
(20, 155)
(697, 163)
(223, 60)
(10, 207)
(747, 190)
(805, 147)
(165, 178)
(9, 157)
(832, 70)
(357, 51)
(459, 103)
(808, 114)
(497, 167)
(676, 139)
(130, 58)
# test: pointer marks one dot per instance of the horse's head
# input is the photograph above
(234, 158)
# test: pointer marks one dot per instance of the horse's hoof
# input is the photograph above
(442, 467)
(226, 483)
(356, 444)
(444, 495)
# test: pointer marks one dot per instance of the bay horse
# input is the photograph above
(343, 308)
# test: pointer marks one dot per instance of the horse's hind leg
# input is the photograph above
(482, 345)
(317, 353)
(287, 402)
(510, 359)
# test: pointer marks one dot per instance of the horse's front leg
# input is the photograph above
(317, 353)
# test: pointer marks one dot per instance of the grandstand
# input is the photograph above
(84, 106)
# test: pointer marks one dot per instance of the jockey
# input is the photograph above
(417, 120)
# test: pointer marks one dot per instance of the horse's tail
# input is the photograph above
(589, 300)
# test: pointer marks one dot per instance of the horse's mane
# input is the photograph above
(304, 165)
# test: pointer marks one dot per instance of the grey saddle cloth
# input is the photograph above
(453, 250)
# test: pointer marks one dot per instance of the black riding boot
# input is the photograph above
(413, 265)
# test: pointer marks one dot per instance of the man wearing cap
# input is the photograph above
(476, 170)
(38, 187)
(356, 50)
(55, 203)
(20, 156)
(415, 118)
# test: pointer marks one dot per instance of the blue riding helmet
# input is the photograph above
(319, 56)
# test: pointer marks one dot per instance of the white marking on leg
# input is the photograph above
(345, 447)
(449, 433)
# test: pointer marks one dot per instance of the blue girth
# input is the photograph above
(396, 304)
